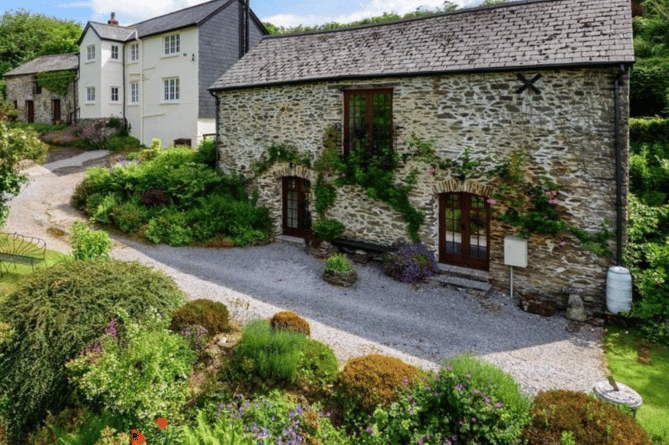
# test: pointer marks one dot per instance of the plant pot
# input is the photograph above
(343, 279)
(320, 248)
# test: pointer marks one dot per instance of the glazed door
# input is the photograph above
(296, 215)
(30, 110)
(56, 111)
(464, 230)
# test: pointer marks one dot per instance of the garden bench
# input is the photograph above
(344, 244)
(20, 249)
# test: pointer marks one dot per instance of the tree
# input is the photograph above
(24, 36)
(15, 145)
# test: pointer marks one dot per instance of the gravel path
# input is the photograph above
(419, 324)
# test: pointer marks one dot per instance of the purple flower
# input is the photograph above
(473, 419)
(563, 243)
(459, 387)
(414, 403)
(499, 404)
(436, 394)
(476, 391)
(241, 411)
(420, 441)
(461, 422)
(410, 410)
(450, 368)
(469, 376)
(487, 400)
(491, 201)
(370, 430)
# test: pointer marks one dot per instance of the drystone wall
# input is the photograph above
(566, 130)
(20, 89)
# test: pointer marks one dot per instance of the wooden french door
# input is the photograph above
(464, 230)
(30, 110)
(296, 214)
(56, 111)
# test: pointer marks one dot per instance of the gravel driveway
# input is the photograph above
(419, 324)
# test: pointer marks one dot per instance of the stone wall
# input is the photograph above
(20, 89)
(567, 131)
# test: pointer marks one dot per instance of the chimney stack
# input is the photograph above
(112, 20)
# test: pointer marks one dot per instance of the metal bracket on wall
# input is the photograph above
(528, 83)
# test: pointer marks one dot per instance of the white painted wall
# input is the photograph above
(90, 75)
(154, 117)
(111, 76)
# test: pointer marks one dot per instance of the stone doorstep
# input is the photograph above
(475, 287)
(463, 272)
(286, 239)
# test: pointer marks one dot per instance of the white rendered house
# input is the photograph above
(156, 73)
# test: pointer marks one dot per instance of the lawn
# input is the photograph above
(651, 382)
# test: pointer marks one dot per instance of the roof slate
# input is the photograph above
(57, 62)
(539, 33)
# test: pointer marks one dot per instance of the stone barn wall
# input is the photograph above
(567, 131)
(20, 89)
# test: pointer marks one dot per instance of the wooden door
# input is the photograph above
(464, 230)
(296, 215)
(30, 110)
(56, 110)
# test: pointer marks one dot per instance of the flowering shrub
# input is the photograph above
(221, 433)
(278, 417)
(451, 407)
(411, 263)
(196, 335)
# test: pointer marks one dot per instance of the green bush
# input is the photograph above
(120, 142)
(649, 82)
(89, 244)
(211, 315)
(318, 365)
(371, 381)
(206, 153)
(102, 212)
(55, 313)
(130, 216)
(653, 282)
(290, 321)
(140, 377)
(338, 263)
(221, 433)
(268, 353)
(468, 401)
(648, 130)
(328, 229)
(655, 331)
(592, 421)
(278, 416)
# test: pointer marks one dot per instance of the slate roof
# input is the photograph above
(517, 35)
(57, 62)
(183, 18)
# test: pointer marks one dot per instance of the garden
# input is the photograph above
(101, 352)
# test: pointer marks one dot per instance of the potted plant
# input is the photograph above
(339, 272)
(324, 231)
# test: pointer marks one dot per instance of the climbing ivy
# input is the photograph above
(56, 81)
(283, 152)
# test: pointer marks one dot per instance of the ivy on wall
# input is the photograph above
(56, 81)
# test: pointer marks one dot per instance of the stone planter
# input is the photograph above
(320, 248)
(344, 279)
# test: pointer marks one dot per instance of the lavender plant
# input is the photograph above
(411, 263)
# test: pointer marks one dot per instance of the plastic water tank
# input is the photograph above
(618, 289)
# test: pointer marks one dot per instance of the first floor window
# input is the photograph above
(172, 44)
(171, 89)
(90, 94)
(90, 52)
(114, 94)
(37, 89)
(114, 52)
(134, 93)
(134, 52)
(368, 123)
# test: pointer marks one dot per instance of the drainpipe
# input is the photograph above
(125, 121)
(218, 101)
(619, 166)
(247, 12)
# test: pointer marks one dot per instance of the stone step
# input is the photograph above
(463, 272)
(471, 286)
(286, 239)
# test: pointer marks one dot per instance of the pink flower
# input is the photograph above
(491, 201)
(431, 171)
(552, 201)
(563, 243)
(554, 193)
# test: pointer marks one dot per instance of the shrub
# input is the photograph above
(291, 322)
(56, 312)
(369, 381)
(328, 229)
(655, 331)
(130, 216)
(411, 263)
(221, 433)
(196, 336)
(206, 153)
(211, 315)
(280, 416)
(268, 353)
(591, 421)
(102, 212)
(466, 402)
(140, 377)
(89, 244)
(338, 263)
(318, 365)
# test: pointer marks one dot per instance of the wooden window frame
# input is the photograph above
(369, 115)
(172, 44)
(134, 52)
(114, 94)
(90, 95)
(171, 92)
(90, 53)
(114, 52)
(134, 92)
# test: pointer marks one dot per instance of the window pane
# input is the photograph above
(357, 126)
(381, 121)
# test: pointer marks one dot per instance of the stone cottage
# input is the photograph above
(503, 121)
(33, 99)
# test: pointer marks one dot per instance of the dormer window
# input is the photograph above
(134, 52)
(172, 44)
(90, 52)
(114, 52)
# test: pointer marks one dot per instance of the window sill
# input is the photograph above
(89, 61)
(115, 60)
(170, 102)
(134, 105)
(170, 56)
(134, 62)
(89, 103)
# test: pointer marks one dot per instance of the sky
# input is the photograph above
(280, 13)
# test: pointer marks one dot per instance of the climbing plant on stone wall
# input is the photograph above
(56, 81)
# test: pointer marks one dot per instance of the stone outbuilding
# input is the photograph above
(35, 102)
(503, 122)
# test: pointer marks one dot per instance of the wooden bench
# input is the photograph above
(20, 249)
(353, 245)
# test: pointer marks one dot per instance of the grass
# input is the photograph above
(39, 128)
(10, 279)
(651, 382)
